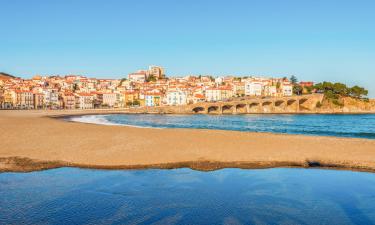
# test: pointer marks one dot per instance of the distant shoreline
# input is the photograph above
(36, 140)
(76, 112)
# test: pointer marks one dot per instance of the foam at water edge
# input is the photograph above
(102, 120)
(94, 119)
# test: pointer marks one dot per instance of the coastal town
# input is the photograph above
(149, 88)
(187, 112)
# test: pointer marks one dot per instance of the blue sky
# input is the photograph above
(315, 40)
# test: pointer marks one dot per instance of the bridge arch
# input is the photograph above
(241, 108)
(199, 109)
(279, 103)
(292, 105)
(253, 104)
(254, 107)
(291, 102)
(266, 103)
(267, 106)
(213, 109)
(227, 109)
(301, 104)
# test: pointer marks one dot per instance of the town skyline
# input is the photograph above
(148, 87)
(371, 93)
(151, 87)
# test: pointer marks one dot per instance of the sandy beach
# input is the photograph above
(34, 140)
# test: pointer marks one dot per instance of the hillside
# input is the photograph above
(5, 76)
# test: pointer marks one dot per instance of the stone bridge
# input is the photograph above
(293, 104)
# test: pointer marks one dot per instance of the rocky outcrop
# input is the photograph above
(353, 105)
(347, 105)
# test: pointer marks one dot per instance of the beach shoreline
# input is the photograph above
(36, 140)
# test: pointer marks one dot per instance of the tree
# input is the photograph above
(75, 87)
(151, 78)
(122, 81)
(309, 89)
(278, 85)
(324, 87)
(337, 90)
(136, 102)
(297, 90)
(293, 79)
(358, 92)
(340, 89)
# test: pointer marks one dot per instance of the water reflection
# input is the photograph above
(184, 196)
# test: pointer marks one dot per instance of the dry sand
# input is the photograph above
(32, 140)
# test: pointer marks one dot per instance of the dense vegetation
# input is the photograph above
(331, 91)
(336, 90)
(151, 78)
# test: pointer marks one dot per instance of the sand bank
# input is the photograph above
(33, 140)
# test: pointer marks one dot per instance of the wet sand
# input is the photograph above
(35, 140)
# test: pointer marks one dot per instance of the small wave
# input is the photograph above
(102, 120)
(93, 119)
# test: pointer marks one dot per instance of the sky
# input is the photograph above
(320, 40)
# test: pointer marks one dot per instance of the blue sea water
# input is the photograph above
(184, 196)
(355, 126)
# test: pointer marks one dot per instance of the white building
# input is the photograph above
(138, 77)
(219, 80)
(176, 97)
(253, 88)
(84, 101)
(270, 90)
(156, 71)
(287, 89)
(24, 99)
(51, 98)
(108, 99)
(213, 94)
